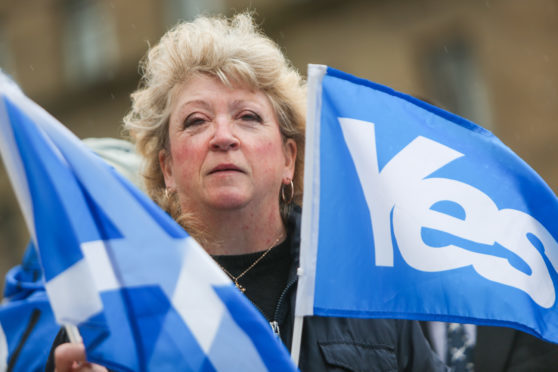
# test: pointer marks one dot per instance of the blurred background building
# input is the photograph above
(492, 61)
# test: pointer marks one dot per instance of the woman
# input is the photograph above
(219, 119)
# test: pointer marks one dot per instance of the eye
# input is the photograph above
(193, 120)
(250, 116)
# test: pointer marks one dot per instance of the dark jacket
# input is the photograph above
(342, 344)
(500, 349)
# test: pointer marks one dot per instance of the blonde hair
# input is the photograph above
(233, 50)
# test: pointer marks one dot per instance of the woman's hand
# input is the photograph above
(71, 357)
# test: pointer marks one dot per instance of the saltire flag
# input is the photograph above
(413, 212)
(143, 294)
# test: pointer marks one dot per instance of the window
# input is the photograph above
(454, 81)
(91, 47)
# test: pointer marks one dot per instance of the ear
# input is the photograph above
(165, 162)
(290, 151)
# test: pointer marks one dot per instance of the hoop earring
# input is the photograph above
(291, 196)
(168, 193)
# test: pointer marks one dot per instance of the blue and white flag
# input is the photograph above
(144, 294)
(413, 212)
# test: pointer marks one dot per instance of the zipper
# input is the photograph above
(275, 328)
(274, 323)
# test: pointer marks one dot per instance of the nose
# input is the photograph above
(223, 137)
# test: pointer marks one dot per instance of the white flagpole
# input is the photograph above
(297, 337)
(310, 211)
(73, 334)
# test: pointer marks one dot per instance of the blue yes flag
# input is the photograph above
(143, 294)
(413, 212)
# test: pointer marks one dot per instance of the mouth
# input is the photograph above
(225, 168)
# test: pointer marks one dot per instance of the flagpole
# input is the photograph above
(297, 336)
(308, 243)
(73, 334)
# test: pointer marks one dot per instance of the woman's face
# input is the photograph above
(226, 150)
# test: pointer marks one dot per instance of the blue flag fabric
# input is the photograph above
(27, 324)
(413, 212)
(144, 294)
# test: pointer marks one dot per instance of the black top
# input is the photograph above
(266, 280)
